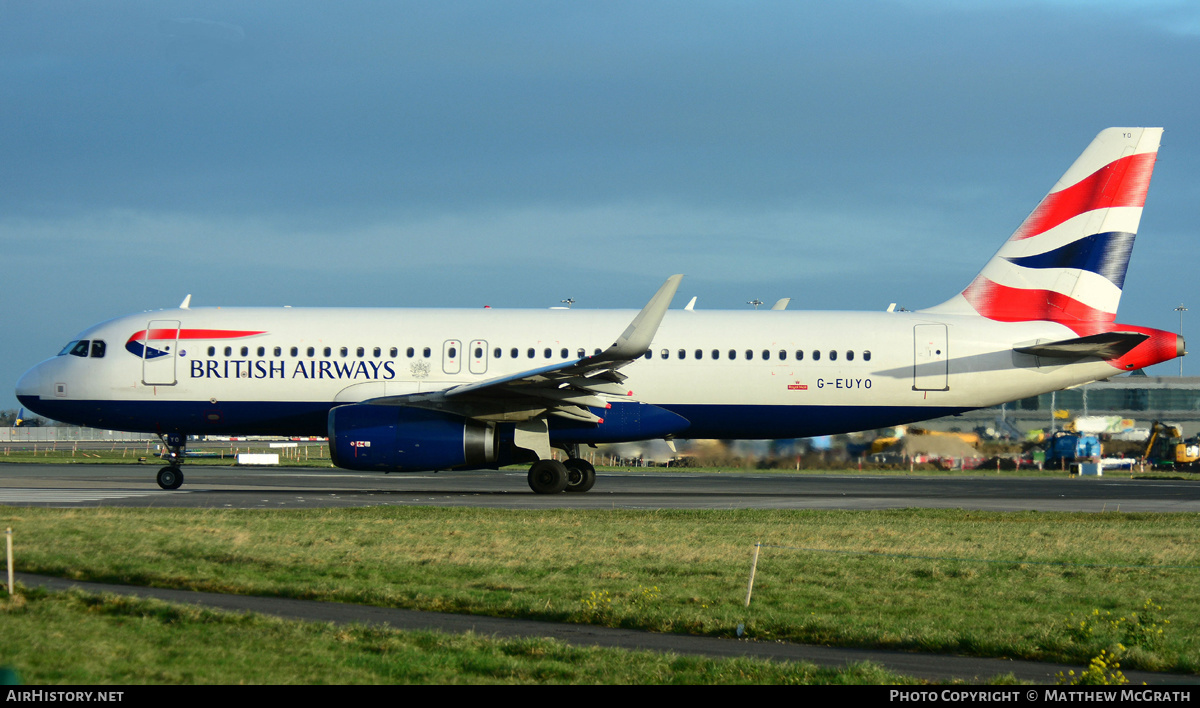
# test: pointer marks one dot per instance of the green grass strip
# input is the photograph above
(1075, 584)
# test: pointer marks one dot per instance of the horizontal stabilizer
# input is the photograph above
(1106, 345)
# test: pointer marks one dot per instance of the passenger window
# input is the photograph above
(328, 351)
(581, 352)
(343, 351)
(866, 356)
(278, 351)
(295, 351)
(81, 348)
(716, 354)
(410, 352)
(648, 354)
(732, 354)
(453, 352)
(513, 352)
(699, 354)
(563, 353)
(833, 355)
(816, 355)
(597, 351)
(245, 351)
(228, 351)
(262, 351)
(311, 351)
(850, 355)
(212, 351)
(665, 354)
(749, 355)
(530, 353)
(393, 352)
(360, 352)
(782, 355)
(496, 353)
(766, 355)
(426, 352)
(799, 355)
(546, 352)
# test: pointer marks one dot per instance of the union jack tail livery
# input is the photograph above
(1066, 263)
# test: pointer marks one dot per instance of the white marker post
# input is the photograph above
(753, 568)
(8, 544)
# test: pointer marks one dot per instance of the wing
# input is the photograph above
(567, 389)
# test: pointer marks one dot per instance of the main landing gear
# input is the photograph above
(171, 477)
(551, 476)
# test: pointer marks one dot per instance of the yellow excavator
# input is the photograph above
(1166, 448)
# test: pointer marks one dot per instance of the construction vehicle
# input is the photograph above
(1166, 449)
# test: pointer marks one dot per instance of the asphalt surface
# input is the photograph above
(224, 487)
(229, 487)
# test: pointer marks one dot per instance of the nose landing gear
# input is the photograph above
(171, 477)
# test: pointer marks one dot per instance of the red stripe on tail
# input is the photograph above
(1121, 183)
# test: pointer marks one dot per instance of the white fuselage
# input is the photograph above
(747, 374)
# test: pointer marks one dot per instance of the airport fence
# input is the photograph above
(65, 433)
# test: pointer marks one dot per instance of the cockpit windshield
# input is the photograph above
(78, 347)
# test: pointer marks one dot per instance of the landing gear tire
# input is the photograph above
(170, 478)
(548, 477)
(580, 475)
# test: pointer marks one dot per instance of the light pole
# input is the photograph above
(1181, 309)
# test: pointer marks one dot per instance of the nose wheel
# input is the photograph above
(170, 477)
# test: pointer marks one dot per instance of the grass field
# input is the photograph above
(1043, 586)
(81, 638)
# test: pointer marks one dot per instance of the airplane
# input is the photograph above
(400, 390)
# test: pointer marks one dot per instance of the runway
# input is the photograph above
(294, 488)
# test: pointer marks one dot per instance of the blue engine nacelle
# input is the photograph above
(398, 438)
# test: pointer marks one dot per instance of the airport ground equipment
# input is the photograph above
(1166, 448)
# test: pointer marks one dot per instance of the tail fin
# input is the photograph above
(1066, 263)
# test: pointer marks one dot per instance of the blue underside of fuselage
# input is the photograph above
(749, 422)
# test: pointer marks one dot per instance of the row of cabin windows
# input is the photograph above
(394, 352)
(96, 348)
(531, 353)
(766, 354)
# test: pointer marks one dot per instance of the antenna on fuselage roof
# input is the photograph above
(187, 301)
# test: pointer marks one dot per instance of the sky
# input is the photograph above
(514, 154)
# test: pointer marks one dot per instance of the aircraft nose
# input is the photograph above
(30, 383)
